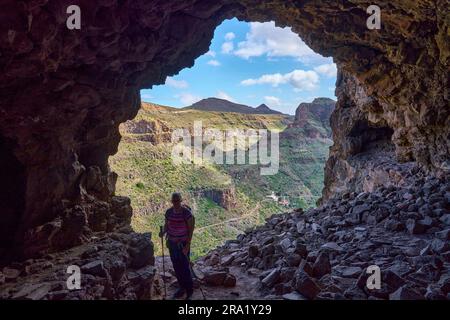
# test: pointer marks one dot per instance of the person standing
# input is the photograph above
(179, 228)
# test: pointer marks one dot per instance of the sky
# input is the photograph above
(251, 63)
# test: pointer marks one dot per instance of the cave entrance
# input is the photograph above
(12, 191)
(371, 137)
(254, 76)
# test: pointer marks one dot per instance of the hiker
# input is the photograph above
(179, 228)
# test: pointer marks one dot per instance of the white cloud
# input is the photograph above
(227, 47)
(272, 101)
(214, 63)
(146, 96)
(179, 84)
(211, 53)
(299, 79)
(224, 95)
(188, 98)
(267, 39)
(230, 36)
(328, 70)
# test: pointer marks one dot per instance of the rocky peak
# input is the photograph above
(264, 109)
(221, 105)
(315, 114)
(319, 109)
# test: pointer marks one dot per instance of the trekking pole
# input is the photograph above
(163, 262)
(195, 276)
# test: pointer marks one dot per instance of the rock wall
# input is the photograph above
(155, 131)
(63, 93)
(318, 111)
(226, 198)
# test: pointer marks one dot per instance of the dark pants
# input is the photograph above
(181, 265)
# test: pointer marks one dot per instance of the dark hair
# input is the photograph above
(176, 196)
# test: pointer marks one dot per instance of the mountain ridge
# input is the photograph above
(223, 105)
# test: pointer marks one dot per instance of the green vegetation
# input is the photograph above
(148, 176)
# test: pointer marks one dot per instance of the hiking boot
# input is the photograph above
(189, 294)
(178, 294)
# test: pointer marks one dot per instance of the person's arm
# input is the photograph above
(191, 226)
(164, 228)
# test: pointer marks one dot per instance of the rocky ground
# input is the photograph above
(323, 253)
(113, 266)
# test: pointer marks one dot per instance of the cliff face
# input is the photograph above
(65, 92)
(155, 132)
(364, 154)
(315, 114)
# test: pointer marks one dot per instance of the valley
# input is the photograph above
(226, 199)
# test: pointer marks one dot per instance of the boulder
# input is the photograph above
(305, 285)
(214, 278)
(322, 265)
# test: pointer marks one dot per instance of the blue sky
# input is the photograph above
(251, 63)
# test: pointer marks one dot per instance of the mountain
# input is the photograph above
(264, 109)
(222, 105)
(314, 117)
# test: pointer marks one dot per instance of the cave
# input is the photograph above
(12, 193)
(63, 93)
(370, 137)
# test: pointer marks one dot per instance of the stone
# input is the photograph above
(95, 268)
(300, 248)
(214, 278)
(10, 274)
(141, 251)
(33, 292)
(306, 286)
(445, 219)
(293, 296)
(322, 265)
(427, 222)
(293, 260)
(253, 251)
(213, 259)
(230, 281)
(227, 260)
(392, 279)
(285, 244)
(355, 293)
(415, 227)
(270, 280)
(332, 246)
(58, 295)
(267, 250)
(439, 246)
(300, 226)
(351, 272)
(405, 293)
(444, 234)
(360, 209)
(444, 284)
